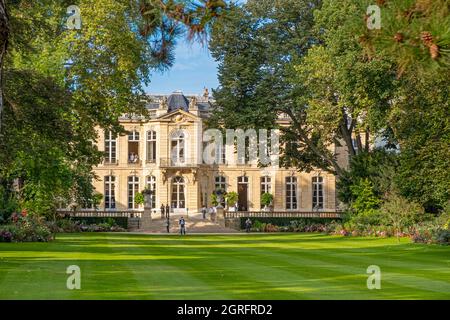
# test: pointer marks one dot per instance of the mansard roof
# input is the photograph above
(176, 101)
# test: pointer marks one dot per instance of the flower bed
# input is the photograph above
(24, 228)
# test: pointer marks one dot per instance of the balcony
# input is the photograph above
(134, 162)
(108, 162)
(178, 163)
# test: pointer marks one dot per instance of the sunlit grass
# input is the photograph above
(256, 266)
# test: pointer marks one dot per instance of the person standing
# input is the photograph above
(168, 225)
(162, 211)
(167, 210)
(248, 225)
(182, 224)
(204, 212)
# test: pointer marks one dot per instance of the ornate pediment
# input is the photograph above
(179, 117)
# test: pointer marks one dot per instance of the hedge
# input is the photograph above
(284, 222)
(120, 221)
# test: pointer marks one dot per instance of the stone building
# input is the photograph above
(164, 154)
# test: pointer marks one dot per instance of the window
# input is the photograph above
(151, 185)
(151, 146)
(110, 147)
(317, 187)
(265, 185)
(110, 192)
(133, 136)
(178, 147)
(133, 147)
(243, 179)
(220, 184)
(133, 189)
(178, 196)
(291, 193)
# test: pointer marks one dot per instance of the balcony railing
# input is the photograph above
(107, 162)
(134, 162)
(178, 163)
(282, 214)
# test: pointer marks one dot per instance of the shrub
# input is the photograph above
(442, 237)
(231, 198)
(266, 199)
(25, 228)
(139, 198)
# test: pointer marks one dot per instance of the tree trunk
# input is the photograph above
(4, 36)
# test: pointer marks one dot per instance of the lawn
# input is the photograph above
(257, 266)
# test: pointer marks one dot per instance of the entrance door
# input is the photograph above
(243, 193)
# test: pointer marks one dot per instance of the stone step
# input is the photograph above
(192, 226)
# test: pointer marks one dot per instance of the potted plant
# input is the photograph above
(266, 200)
(218, 196)
(231, 198)
(139, 198)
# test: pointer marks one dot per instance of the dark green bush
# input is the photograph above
(112, 221)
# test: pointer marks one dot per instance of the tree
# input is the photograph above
(300, 60)
(415, 33)
(155, 21)
(59, 85)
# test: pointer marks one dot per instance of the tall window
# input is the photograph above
(110, 192)
(291, 193)
(317, 187)
(133, 147)
(178, 147)
(133, 189)
(151, 146)
(220, 183)
(178, 196)
(110, 147)
(265, 185)
(151, 185)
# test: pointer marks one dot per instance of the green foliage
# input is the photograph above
(214, 201)
(365, 200)
(378, 166)
(231, 198)
(266, 199)
(403, 26)
(61, 85)
(139, 198)
(400, 212)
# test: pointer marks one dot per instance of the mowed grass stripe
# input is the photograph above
(285, 266)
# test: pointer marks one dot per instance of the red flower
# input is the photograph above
(24, 212)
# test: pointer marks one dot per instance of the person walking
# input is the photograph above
(248, 225)
(168, 225)
(182, 224)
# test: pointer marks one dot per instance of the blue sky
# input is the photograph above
(194, 69)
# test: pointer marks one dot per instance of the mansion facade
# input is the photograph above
(144, 159)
